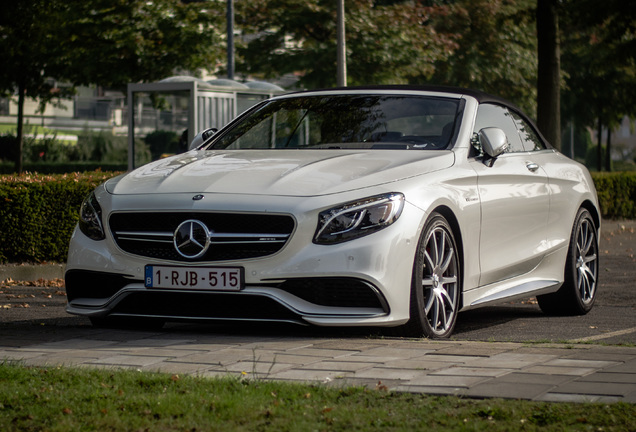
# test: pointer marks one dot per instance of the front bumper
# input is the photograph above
(357, 283)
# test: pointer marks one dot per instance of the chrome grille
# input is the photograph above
(232, 235)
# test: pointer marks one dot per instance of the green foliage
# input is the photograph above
(495, 49)
(582, 142)
(8, 147)
(63, 399)
(299, 37)
(598, 60)
(104, 42)
(161, 142)
(137, 40)
(38, 214)
(99, 149)
(64, 167)
(616, 194)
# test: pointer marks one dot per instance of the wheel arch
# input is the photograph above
(589, 206)
(450, 217)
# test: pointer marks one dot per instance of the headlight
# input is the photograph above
(90, 220)
(358, 218)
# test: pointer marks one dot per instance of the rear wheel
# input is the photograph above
(577, 295)
(435, 283)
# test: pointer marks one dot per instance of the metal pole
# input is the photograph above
(230, 39)
(341, 49)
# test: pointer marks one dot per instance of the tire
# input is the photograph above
(578, 292)
(436, 282)
(127, 323)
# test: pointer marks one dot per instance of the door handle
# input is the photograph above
(532, 166)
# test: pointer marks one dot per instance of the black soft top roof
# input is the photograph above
(481, 97)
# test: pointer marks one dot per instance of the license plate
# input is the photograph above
(199, 278)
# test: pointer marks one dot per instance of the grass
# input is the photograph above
(72, 399)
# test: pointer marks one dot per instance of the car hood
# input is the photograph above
(278, 172)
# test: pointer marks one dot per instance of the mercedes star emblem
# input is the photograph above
(191, 239)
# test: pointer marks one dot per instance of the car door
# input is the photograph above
(515, 201)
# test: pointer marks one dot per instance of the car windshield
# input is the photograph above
(345, 122)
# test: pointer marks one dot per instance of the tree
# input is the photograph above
(495, 48)
(104, 42)
(599, 62)
(549, 72)
(386, 43)
(28, 49)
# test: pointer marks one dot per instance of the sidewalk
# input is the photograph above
(551, 372)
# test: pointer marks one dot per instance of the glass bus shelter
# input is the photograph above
(164, 117)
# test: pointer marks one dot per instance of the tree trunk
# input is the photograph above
(608, 149)
(549, 72)
(20, 133)
(599, 149)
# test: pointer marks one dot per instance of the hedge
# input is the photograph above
(63, 167)
(38, 212)
(616, 194)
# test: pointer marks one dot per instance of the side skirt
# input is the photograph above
(491, 295)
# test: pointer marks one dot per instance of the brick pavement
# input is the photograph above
(540, 372)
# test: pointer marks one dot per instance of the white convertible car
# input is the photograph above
(385, 206)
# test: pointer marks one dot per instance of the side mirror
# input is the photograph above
(202, 137)
(493, 141)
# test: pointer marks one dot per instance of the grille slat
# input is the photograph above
(233, 235)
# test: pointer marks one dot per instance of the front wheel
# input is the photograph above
(577, 295)
(435, 286)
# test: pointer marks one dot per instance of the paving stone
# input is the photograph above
(509, 360)
(609, 377)
(627, 367)
(443, 391)
(126, 360)
(210, 358)
(394, 352)
(419, 364)
(446, 381)
(559, 370)
(162, 352)
(486, 350)
(530, 378)
(309, 375)
(569, 362)
(384, 374)
(180, 368)
(258, 369)
(507, 390)
(602, 356)
(17, 355)
(155, 342)
(195, 346)
(348, 345)
(477, 372)
(451, 359)
(424, 344)
(371, 359)
(597, 388)
(318, 352)
(552, 349)
(70, 344)
(338, 366)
